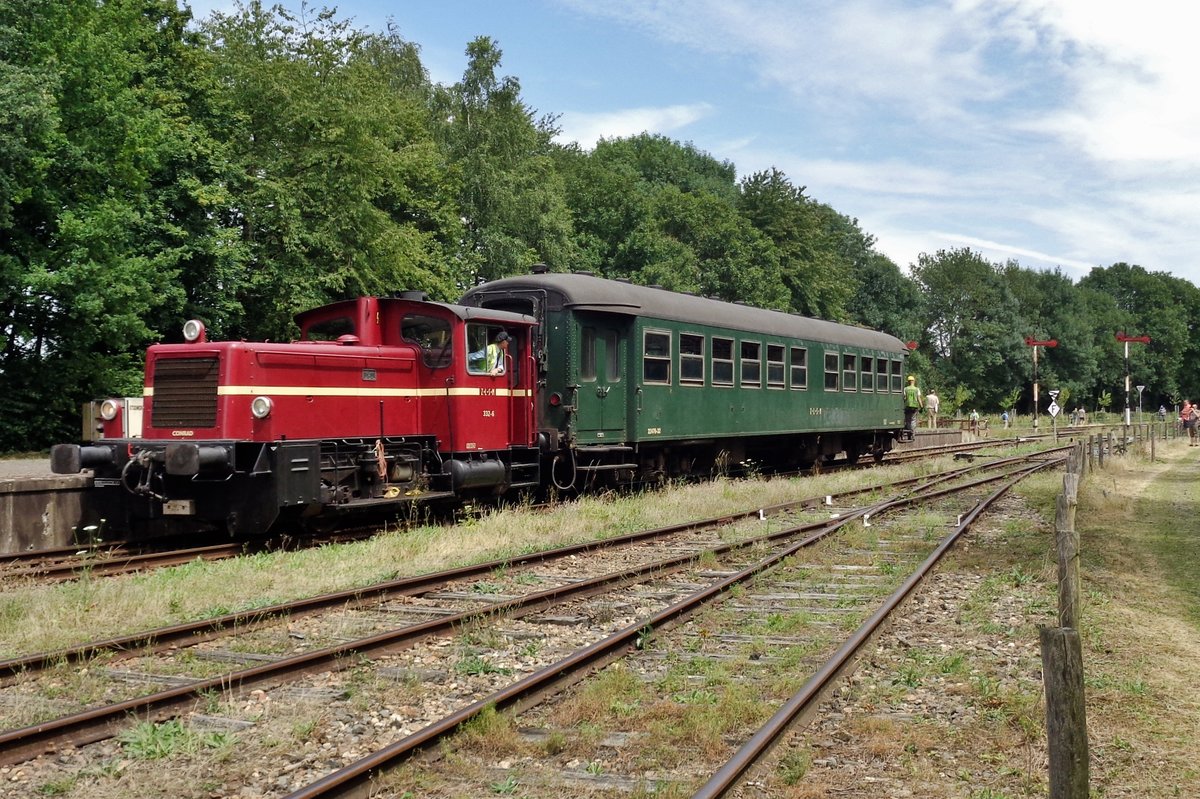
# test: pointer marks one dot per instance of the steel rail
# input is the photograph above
(97, 724)
(123, 564)
(355, 780)
(190, 633)
(100, 723)
(729, 775)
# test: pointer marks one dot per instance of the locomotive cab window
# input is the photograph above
(849, 372)
(799, 368)
(432, 335)
(831, 371)
(330, 329)
(897, 377)
(489, 349)
(656, 356)
(691, 359)
(722, 361)
(868, 374)
(774, 366)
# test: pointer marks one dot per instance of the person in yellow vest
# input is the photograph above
(496, 352)
(913, 402)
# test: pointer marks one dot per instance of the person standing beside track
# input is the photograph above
(932, 405)
(1189, 416)
(913, 402)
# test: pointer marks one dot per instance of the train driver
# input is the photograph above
(497, 352)
(492, 358)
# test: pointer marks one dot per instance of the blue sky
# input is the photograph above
(1059, 133)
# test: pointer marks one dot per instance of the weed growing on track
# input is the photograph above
(35, 618)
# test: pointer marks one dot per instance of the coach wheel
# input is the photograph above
(853, 451)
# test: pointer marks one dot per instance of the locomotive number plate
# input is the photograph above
(369, 375)
(179, 507)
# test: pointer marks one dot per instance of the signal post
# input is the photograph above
(1032, 342)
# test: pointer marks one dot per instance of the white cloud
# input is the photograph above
(1003, 252)
(587, 129)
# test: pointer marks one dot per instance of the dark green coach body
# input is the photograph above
(636, 378)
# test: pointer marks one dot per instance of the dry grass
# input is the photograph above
(1141, 552)
(35, 618)
(1141, 539)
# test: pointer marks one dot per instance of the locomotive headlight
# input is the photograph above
(193, 330)
(108, 409)
(261, 407)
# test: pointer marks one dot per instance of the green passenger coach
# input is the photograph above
(637, 381)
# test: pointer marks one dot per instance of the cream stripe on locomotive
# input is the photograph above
(343, 391)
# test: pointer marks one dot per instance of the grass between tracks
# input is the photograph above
(36, 618)
(1141, 557)
(897, 732)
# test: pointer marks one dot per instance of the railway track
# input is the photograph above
(108, 560)
(590, 582)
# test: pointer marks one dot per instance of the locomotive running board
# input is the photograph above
(380, 502)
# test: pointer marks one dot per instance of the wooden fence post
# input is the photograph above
(1066, 718)
(1067, 545)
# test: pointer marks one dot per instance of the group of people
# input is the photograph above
(914, 403)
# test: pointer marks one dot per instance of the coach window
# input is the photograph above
(868, 373)
(849, 372)
(775, 366)
(587, 354)
(881, 375)
(799, 368)
(831, 371)
(691, 359)
(897, 376)
(433, 337)
(722, 361)
(656, 357)
(751, 364)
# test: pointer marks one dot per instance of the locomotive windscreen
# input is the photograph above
(185, 392)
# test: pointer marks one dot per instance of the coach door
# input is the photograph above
(602, 380)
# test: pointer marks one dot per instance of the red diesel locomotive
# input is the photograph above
(382, 401)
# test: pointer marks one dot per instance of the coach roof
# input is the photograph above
(589, 293)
